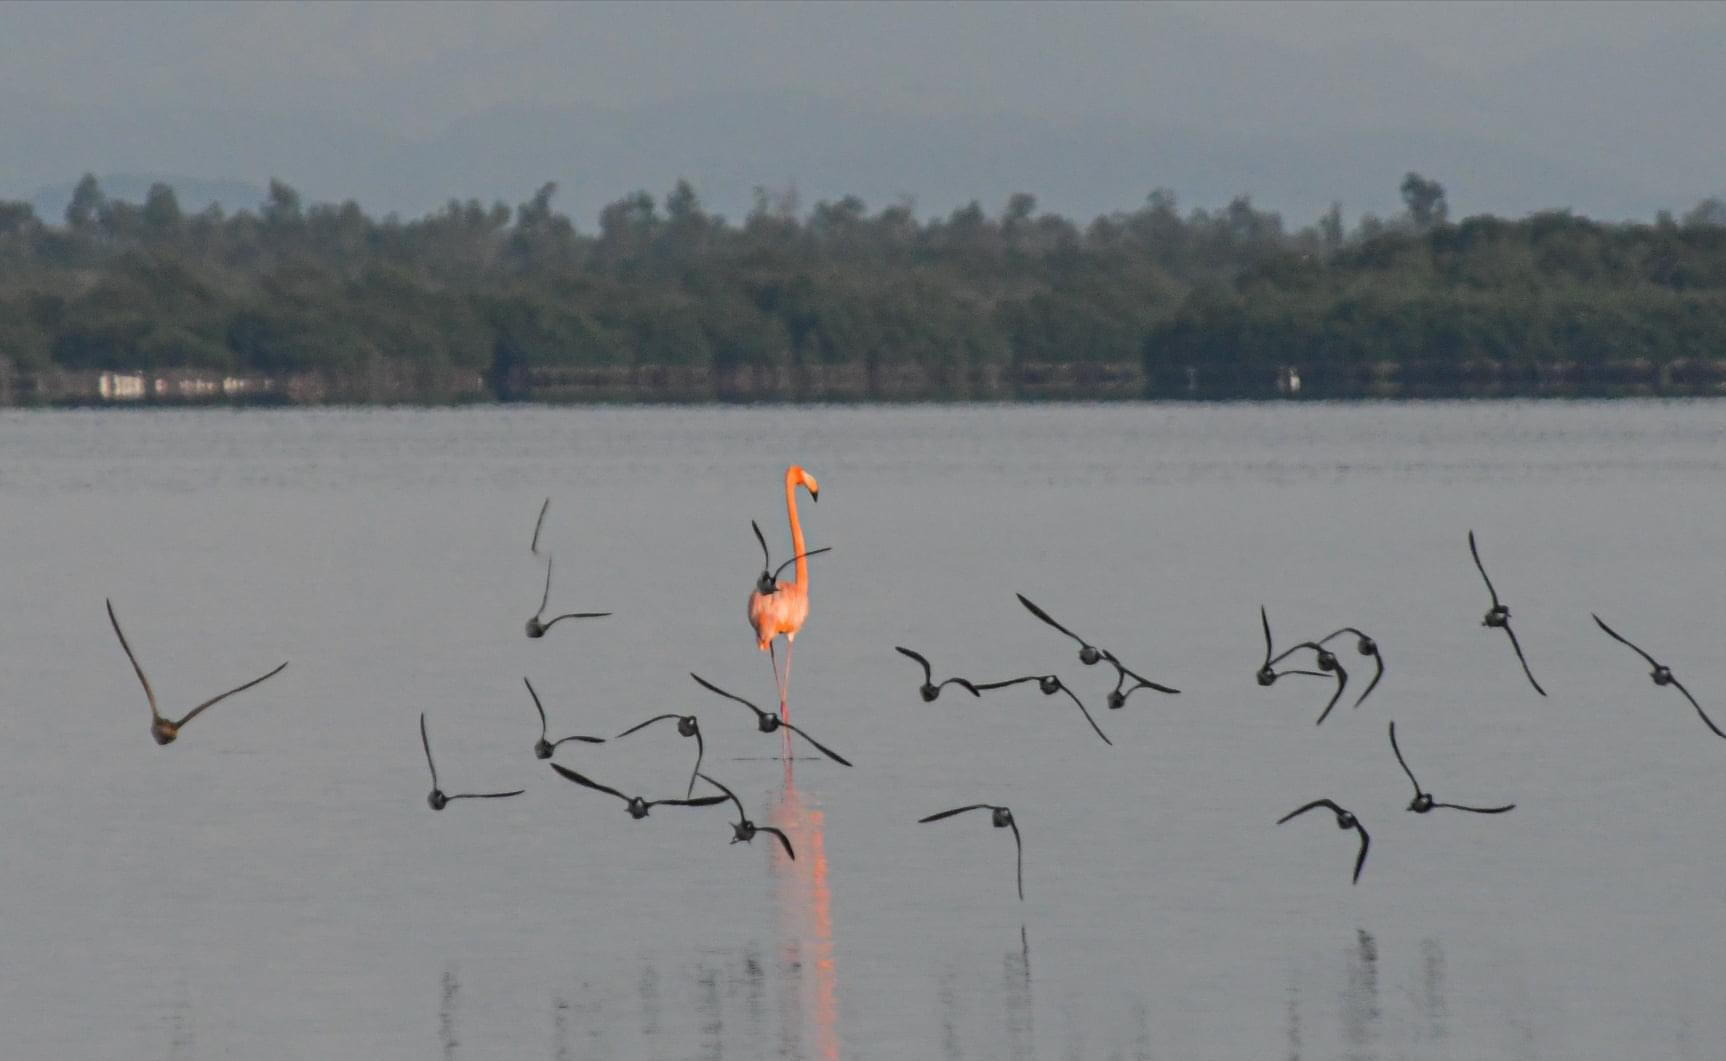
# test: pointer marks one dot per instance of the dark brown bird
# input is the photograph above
(542, 748)
(767, 583)
(931, 689)
(1002, 819)
(1423, 801)
(1117, 698)
(162, 729)
(1661, 674)
(1499, 616)
(638, 807)
(743, 830)
(767, 722)
(1366, 646)
(1328, 664)
(1050, 685)
(687, 726)
(1344, 820)
(537, 628)
(437, 799)
(1089, 654)
(1267, 674)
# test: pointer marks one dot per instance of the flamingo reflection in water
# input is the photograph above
(804, 902)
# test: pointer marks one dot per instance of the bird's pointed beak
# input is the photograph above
(814, 495)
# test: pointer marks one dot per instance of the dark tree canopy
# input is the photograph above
(503, 293)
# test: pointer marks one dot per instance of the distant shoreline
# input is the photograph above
(1064, 381)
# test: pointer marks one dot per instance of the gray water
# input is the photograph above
(274, 886)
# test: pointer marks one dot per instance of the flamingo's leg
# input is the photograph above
(773, 657)
(785, 690)
(785, 696)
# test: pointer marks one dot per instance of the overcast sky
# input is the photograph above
(1610, 108)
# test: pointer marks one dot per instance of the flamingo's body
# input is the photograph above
(783, 611)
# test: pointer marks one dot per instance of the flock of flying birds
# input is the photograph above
(779, 607)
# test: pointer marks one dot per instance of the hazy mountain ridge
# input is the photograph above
(1089, 121)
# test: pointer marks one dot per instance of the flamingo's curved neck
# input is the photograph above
(796, 528)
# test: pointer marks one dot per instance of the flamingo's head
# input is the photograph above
(797, 476)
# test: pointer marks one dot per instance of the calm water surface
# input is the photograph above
(274, 886)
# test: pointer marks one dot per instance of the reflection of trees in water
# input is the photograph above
(1432, 1003)
(1291, 1018)
(949, 1000)
(1360, 1010)
(712, 1019)
(180, 1025)
(1141, 1031)
(648, 989)
(560, 1029)
(754, 987)
(1016, 993)
(446, 1015)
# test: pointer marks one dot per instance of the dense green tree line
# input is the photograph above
(292, 287)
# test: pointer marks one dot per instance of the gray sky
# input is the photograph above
(1610, 108)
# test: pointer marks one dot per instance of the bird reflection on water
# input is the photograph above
(1016, 992)
(1360, 1009)
(804, 901)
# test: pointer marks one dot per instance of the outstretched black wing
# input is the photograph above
(1621, 639)
(956, 810)
(1705, 719)
(1341, 684)
(800, 556)
(537, 524)
(537, 706)
(783, 839)
(578, 779)
(822, 748)
(1477, 810)
(1087, 714)
(644, 725)
(425, 741)
(214, 700)
(1009, 681)
(1517, 645)
(728, 793)
(1047, 618)
(1377, 658)
(1365, 842)
(1400, 760)
(1122, 672)
(710, 687)
(928, 675)
(1482, 568)
(1315, 803)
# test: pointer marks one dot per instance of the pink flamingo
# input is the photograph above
(783, 610)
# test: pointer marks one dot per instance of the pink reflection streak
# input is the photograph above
(805, 905)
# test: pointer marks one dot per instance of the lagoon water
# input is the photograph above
(274, 885)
